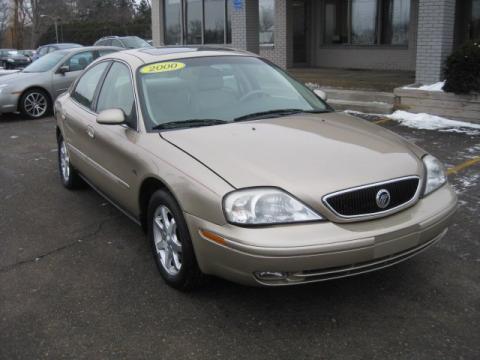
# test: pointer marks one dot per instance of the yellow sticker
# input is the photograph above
(162, 67)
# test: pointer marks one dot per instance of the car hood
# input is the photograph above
(20, 78)
(306, 155)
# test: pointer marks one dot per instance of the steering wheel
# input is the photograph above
(251, 94)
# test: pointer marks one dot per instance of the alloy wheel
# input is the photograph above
(167, 245)
(35, 104)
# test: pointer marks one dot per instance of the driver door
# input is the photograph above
(76, 64)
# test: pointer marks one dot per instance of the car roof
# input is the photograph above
(90, 48)
(148, 55)
(116, 37)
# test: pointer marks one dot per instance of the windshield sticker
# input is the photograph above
(162, 67)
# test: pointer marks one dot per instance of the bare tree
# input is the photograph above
(4, 19)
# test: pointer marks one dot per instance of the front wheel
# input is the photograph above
(171, 243)
(35, 104)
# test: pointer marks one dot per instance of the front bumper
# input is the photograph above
(321, 251)
(8, 101)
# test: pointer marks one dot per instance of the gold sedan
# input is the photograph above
(235, 169)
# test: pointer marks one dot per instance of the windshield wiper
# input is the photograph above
(276, 113)
(188, 123)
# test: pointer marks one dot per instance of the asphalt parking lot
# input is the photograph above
(77, 280)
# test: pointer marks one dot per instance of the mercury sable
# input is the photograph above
(235, 169)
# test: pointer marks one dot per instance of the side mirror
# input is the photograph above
(64, 69)
(321, 94)
(111, 117)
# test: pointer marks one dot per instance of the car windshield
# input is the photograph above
(45, 63)
(212, 90)
(134, 42)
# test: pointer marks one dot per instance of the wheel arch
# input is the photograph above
(148, 187)
(35, 87)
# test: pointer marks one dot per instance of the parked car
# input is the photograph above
(12, 59)
(34, 90)
(126, 42)
(46, 49)
(27, 53)
(237, 170)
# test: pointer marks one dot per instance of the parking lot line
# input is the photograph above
(463, 166)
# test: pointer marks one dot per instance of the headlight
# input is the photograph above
(435, 172)
(10, 60)
(265, 206)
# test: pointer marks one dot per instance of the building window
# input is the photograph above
(193, 16)
(336, 22)
(173, 22)
(366, 22)
(214, 21)
(364, 17)
(197, 22)
(395, 19)
(267, 21)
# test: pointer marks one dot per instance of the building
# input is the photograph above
(410, 35)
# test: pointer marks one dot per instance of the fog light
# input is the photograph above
(271, 275)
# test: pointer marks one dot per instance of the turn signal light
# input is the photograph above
(212, 236)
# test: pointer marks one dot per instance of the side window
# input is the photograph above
(105, 52)
(80, 61)
(117, 42)
(117, 93)
(85, 89)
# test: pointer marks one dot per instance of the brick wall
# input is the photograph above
(245, 26)
(436, 20)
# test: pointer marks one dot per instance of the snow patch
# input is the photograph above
(463, 183)
(432, 87)
(424, 121)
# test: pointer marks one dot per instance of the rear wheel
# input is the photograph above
(171, 243)
(70, 179)
(35, 104)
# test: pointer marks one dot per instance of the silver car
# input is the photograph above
(34, 90)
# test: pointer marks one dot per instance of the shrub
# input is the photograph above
(462, 69)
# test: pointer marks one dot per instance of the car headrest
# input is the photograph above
(210, 79)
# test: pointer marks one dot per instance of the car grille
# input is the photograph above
(362, 201)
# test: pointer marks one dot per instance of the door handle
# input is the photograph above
(91, 132)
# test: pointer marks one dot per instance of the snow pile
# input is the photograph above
(312, 86)
(432, 87)
(432, 122)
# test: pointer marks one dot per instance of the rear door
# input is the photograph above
(79, 118)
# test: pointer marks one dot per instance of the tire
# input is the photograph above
(35, 104)
(179, 270)
(68, 175)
